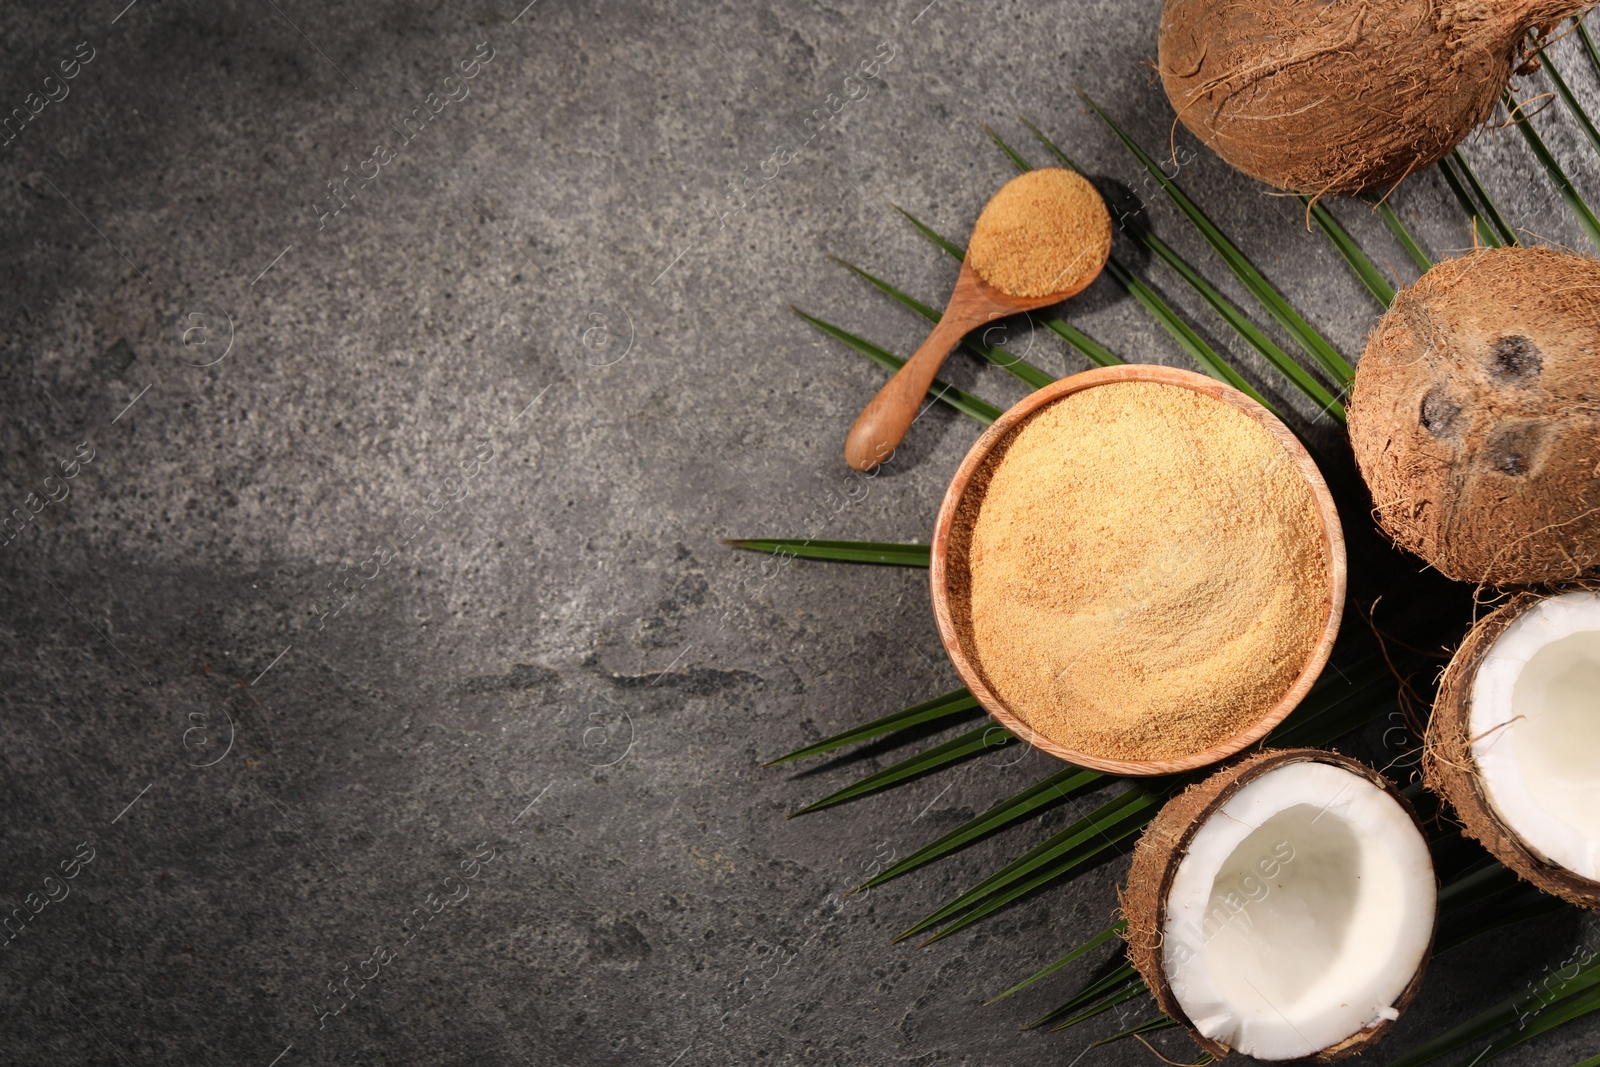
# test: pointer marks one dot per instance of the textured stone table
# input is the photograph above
(409, 362)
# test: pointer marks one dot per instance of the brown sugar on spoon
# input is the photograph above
(1042, 238)
(1042, 233)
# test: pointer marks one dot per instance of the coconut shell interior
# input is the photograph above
(1163, 847)
(1449, 770)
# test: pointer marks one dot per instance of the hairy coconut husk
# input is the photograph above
(1320, 97)
(1476, 417)
(1165, 843)
(1449, 770)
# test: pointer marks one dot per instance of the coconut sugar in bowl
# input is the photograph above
(1138, 570)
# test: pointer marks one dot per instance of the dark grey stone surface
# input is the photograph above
(425, 566)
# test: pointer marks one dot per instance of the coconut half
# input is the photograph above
(1514, 742)
(1283, 908)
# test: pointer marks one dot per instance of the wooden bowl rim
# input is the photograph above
(1328, 518)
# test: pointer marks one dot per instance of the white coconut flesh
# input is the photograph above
(1535, 729)
(1300, 913)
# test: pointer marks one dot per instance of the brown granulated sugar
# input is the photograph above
(1044, 232)
(1138, 571)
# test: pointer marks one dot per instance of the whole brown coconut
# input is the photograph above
(1476, 417)
(1448, 768)
(1319, 97)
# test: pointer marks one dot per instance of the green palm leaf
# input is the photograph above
(965, 403)
(958, 702)
(1116, 973)
(1531, 904)
(1342, 699)
(1127, 993)
(1106, 837)
(1573, 107)
(1337, 713)
(1058, 854)
(1346, 246)
(1507, 234)
(1088, 946)
(1588, 44)
(1054, 789)
(964, 747)
(950, 248)
(1490, 1020)
(1308, 338)
(1485, 233)
(1183, 333)
(1558, 177)
(1091, 349)
(1558, 1014)
(1149, 1026)
(842, 551)
(995, 354)
(1486, 879)
(1016, 160)
(1403, 235)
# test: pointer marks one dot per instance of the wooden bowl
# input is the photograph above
(1332, 538)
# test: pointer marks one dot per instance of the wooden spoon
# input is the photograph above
(882, 424)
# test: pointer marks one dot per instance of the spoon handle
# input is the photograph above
(882, 424)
